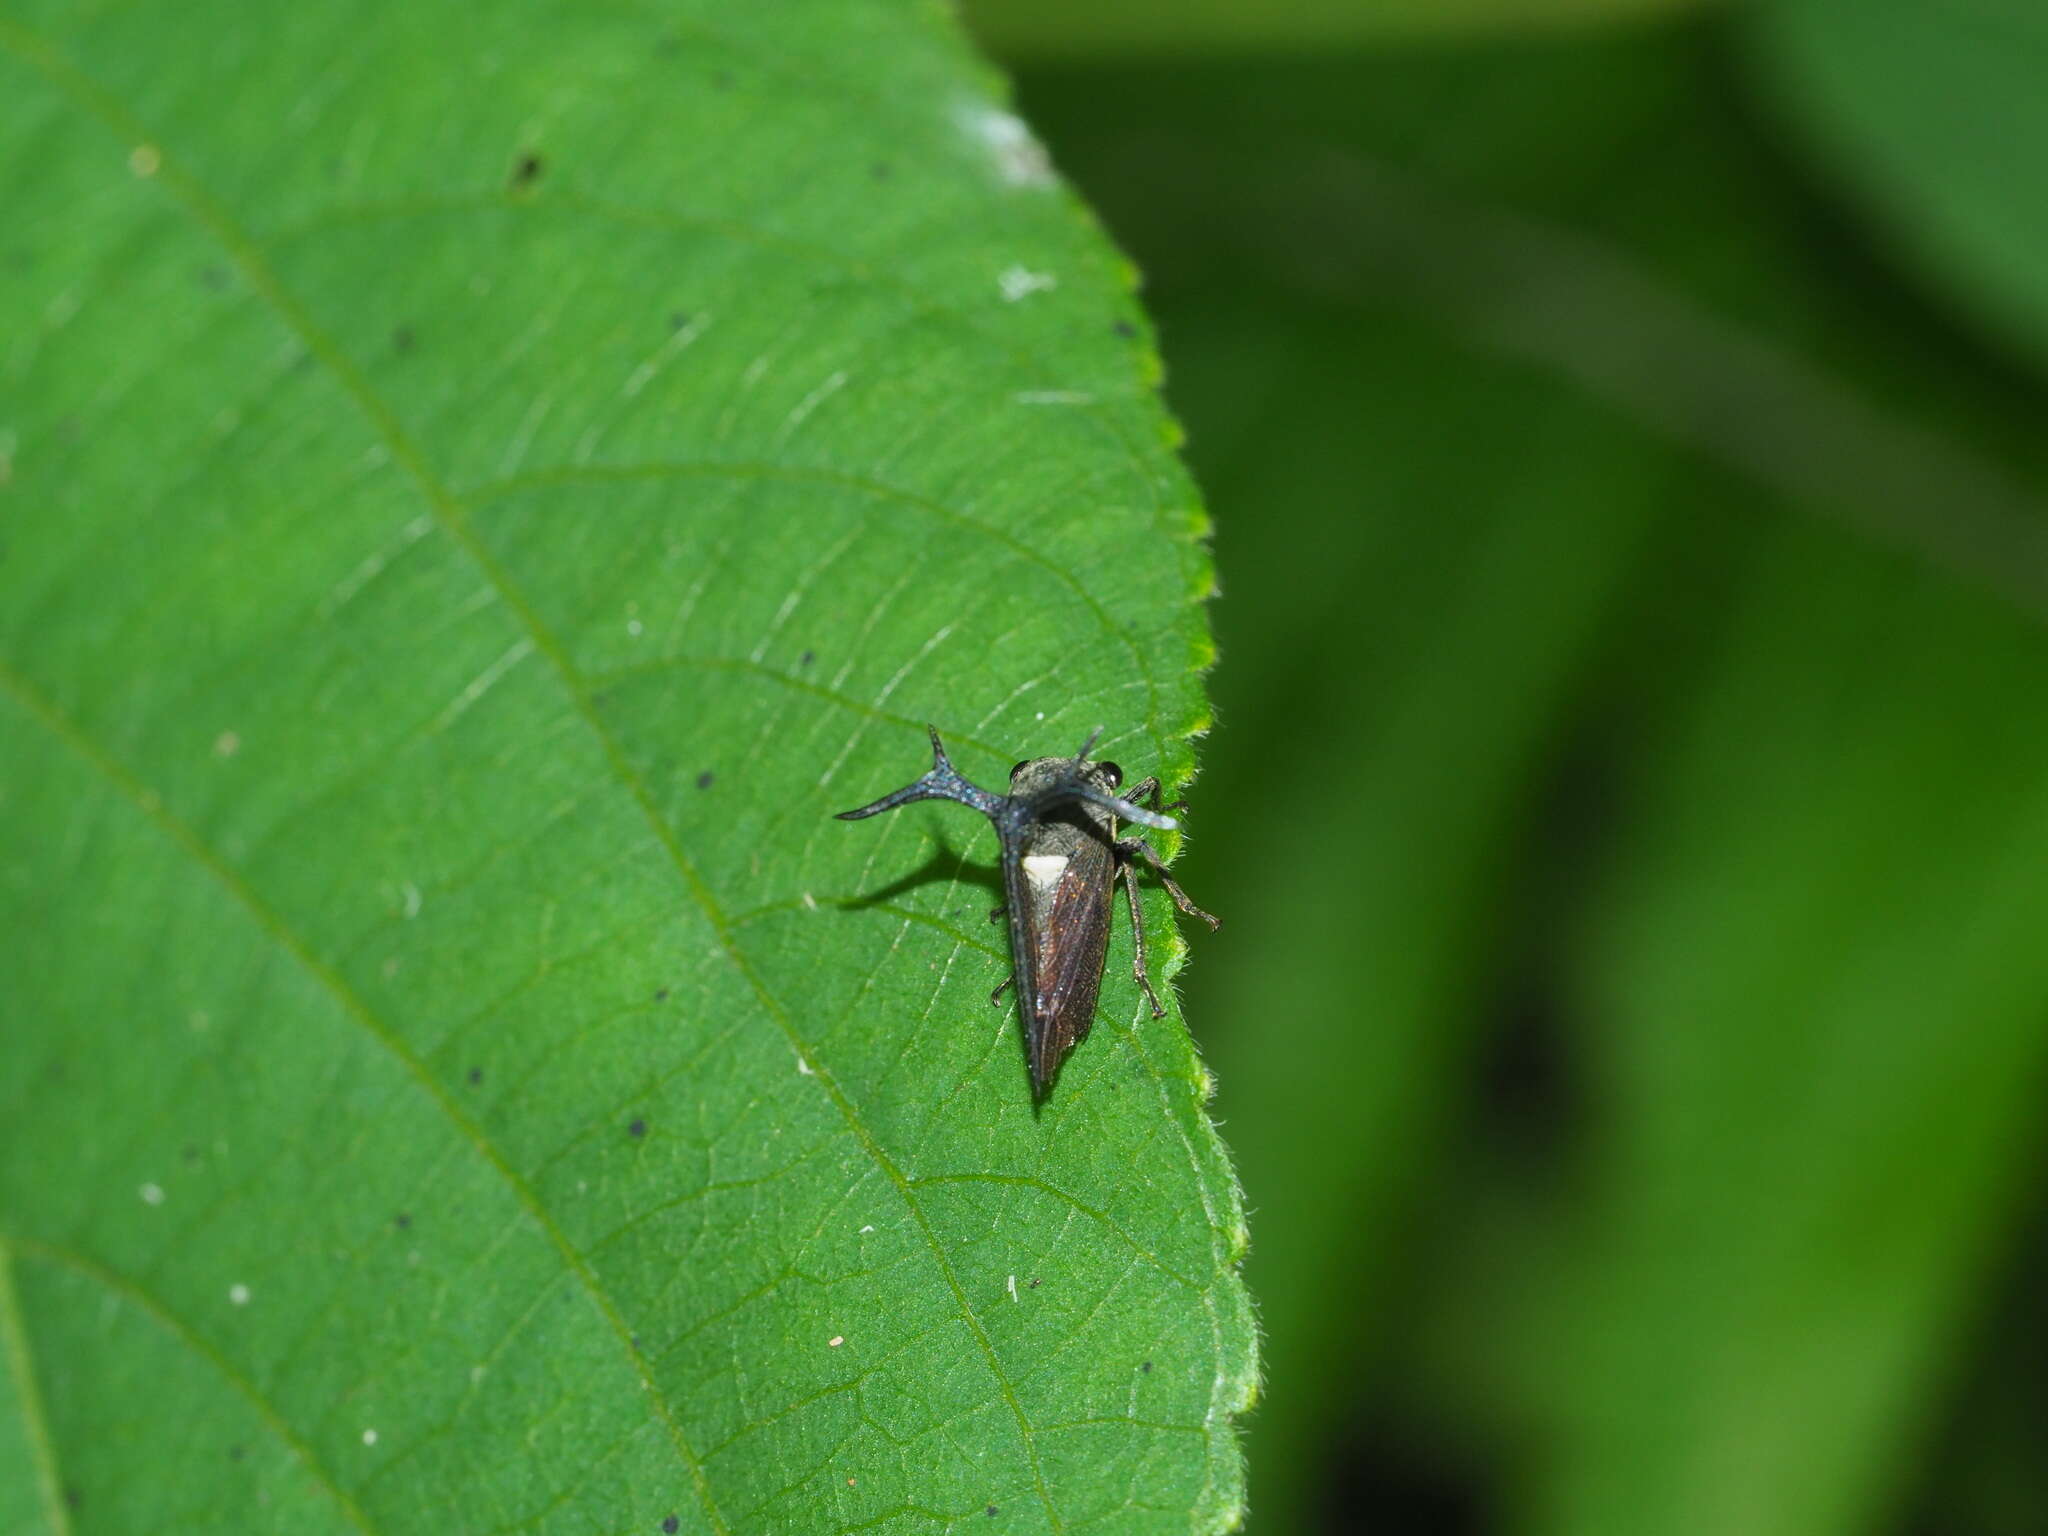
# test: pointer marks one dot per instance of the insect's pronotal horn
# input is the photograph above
(1118, 806)
(942, 783)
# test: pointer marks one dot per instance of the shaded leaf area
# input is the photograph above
(1632, 775)
(465, 542)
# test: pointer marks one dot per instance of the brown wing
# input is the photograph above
(1069, 939)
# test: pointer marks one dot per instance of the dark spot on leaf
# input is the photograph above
(236, 1453)
(883, 170)
(191, 1153)
(704, 780)
(403, 1219)
(476, 1075)
(527, 171)
(637, 1128)
(678, 319)
(1034, 1285)
(671, 1525)
(1125, 329)
(991, 1511)
(71, 1497)
(661, 994)
(634, 1340)
(721, 80)
(213, 277)
(807, 658)
(402, 339)
(1146, 1367)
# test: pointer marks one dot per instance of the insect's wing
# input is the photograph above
(1068, 941)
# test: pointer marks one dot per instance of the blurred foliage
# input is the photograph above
(1934, 116)
(1071, 29)
(1629, 796)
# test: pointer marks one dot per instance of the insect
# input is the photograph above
(1061, 859)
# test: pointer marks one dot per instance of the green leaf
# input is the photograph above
(1933, 120)
(483, 487)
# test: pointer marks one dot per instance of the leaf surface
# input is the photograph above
(485, 486)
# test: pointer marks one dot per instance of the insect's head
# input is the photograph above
(1046, 782)
(1038, 785)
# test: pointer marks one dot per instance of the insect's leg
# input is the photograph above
(1150, 786)
(1129, 876)
(996, 914)
(1132, 847)
(997, 995)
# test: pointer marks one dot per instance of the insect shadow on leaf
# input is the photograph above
(1061, 859)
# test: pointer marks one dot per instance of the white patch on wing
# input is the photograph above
(1043, 870)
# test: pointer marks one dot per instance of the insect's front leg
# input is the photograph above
(1129, 848)
(1150, 786)
(997, 995)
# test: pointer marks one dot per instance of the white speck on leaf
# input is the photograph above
(1019, 159)
(867, 1229)
(805, 1069)
(145, 160)
(369, 1437)
(152, 1194)
(1020, 282)
(835, 1341)
(1013, 1287)
(238, 1294)
(226, 744)
(411, 893)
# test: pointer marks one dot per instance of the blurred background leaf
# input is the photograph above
(1932, 118)
(481, 490)
(1040, 30)
(1630, 781)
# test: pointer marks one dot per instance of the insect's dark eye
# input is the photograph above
(1014, 771)
(1111, 772)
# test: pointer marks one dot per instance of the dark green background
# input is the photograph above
(1628, 802)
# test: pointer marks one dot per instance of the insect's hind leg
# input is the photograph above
(1129, 875)
(997, 995)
